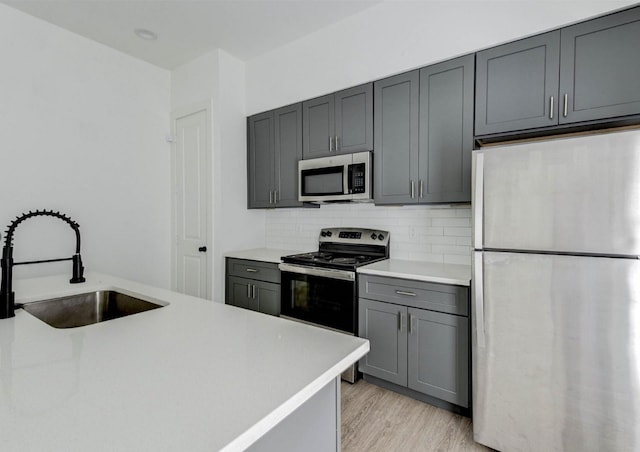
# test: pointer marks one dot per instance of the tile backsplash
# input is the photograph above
(423, 233)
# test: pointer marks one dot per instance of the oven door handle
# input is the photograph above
(322, 272)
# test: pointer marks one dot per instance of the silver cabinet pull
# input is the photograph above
(251, 270)
(411, 187)
(403, 292)
(248, 290)
(399, 321)
(566, 99)
(270, 197)
(253, 291)
(551, 107)
(275, 197)
(330, 143)
(337, 145)
(409, 323)
(421, 189)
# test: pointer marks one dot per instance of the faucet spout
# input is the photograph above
(7, 296)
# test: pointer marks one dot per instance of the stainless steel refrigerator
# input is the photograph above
(556, 294)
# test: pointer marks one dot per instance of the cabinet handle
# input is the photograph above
(551, 107)
(399, 321)
(248, 290)
(330, 143)
(275, 197)
(337, 143)
(420, 189)
(402, 292)
(566, 99)
(251, 270)
(410, 320)
(411, 188)
(253, 291)
(270, 197)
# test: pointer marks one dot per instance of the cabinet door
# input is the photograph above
(600, 68)
(396, 139)
(239, 291)
(439, 355)
(446, 131)
(517, 85)
(318, 127)
(288, 150)
(267, 296)
(260, 160)
(383, 325)
(354, 119)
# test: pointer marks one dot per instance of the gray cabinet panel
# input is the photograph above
(381, 323)
(267, 296)
(446, 131)
(418, 294)
(260, 159)
(288, 150)
(261, 271)
(600, 67)
(396, 139)
(438, 362)
(354, 119)
(238, 291)
(515, 83)
(318, 126)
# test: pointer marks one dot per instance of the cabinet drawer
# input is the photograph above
(261, 271)
(418, 294)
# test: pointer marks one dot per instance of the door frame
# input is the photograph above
(207, 107)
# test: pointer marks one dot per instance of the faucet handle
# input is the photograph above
(78, 270)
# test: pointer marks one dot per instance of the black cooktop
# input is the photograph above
(345, 249)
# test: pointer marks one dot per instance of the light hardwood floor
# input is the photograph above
(375, 419)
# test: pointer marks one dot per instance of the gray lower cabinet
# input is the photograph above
(274, 148)
(341, 122)
(253, 285)
(424, 134)
(424, 350)
(584, 72)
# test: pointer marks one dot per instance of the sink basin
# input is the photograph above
(88, 308)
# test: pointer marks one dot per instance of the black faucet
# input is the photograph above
(7, 296)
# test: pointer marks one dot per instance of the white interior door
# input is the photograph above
(191, 182)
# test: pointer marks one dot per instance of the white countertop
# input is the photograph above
(193, 375)
(456, 274)
(272, 255)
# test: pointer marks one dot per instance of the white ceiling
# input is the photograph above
(187, 29)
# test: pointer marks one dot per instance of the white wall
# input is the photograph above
(396, 36)
(220, 77)
(82, 130)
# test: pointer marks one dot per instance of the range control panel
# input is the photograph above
(354, 235)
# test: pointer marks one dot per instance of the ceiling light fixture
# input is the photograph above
(143, 33)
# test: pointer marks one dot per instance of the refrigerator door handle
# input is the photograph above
(477, 197)
(478, 298)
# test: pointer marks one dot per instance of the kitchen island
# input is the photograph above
(193, 375)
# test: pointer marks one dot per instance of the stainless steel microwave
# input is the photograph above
(346, 177)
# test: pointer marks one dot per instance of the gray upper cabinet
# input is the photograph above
(288, 150)
(396, 139)
(446, 131)
(274, 148)
(517, 85)
(600, 70)
(338, 123)
(260, 160)
(585, 72)
(424, 134)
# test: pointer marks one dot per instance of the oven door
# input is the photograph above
(320, 296)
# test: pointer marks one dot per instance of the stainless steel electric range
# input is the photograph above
(321, 287)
